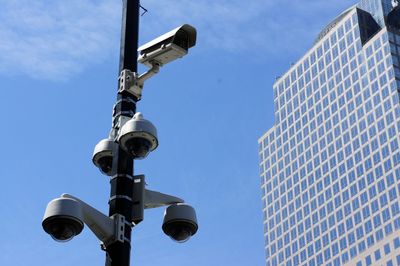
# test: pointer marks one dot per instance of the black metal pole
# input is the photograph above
(118, 253)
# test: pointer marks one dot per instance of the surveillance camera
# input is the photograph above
(180, 222)
(103, 156)
(168, 47)
(63, 219)
(138, 137)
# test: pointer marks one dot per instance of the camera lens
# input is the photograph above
(62, 229)
(138, 147)
(179, 231)
(105, 164)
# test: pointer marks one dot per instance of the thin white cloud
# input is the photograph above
(256, 26)
(56, 39)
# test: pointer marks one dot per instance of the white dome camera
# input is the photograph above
(138, 137)
(63, 219)
(180, 222)
(103, 156)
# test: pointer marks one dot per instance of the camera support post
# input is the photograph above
(122, 180)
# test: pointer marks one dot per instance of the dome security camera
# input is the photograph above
(138, 137)
(180, 222)
(63, 219)
(103, 156)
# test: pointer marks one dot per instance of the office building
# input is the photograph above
(330, 165)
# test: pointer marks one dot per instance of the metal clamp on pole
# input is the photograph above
(119, 231)
(133, 83)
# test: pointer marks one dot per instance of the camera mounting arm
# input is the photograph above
(143, 198)
(107, 229)
(133, 83)
(154, 199)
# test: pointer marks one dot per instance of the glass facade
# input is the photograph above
(330, 165)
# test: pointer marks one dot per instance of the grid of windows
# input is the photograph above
(377, 257)
(330, 167)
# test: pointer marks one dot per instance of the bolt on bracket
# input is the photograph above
(119, 224)
(128, 81)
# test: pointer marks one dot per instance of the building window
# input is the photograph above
(396, 242)
(377, 255)
(368, 260)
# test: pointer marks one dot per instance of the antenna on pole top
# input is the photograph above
(144, 11)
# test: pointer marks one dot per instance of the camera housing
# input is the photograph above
(138, 137)
(180, 222)
(168, 47)
(63, 219)
(103, 156)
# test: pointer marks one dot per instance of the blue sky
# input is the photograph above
(58, 76)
